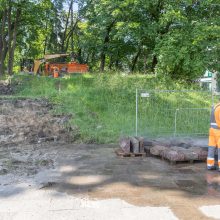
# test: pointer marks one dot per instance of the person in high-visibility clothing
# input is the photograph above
(214, 138)
(55, 72)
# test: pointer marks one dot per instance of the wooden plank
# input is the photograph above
(120, 153)
(172, 162)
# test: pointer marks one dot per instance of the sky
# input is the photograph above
(75, 6)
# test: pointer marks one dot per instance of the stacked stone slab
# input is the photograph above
(202, 154)
(132, 145)
(176, 153)
(173, 153)
(157, 150)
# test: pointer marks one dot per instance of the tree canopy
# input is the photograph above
(175, 38)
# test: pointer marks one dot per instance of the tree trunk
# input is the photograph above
(105, 42)
(14, 39)
(72, 42)
(110, 62)
(70, 34)
(2, 42)
(46, 39)
(66, 26)
(117, 61)
(91, 60)
(10, 35)
(79, 55)
(102, 64)
(154, 63)
(145, 63)
(135, 59)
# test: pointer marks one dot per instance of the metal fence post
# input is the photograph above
(136, 130)
(175, 122)
(213, 98)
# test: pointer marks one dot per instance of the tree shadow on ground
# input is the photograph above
(96, 170)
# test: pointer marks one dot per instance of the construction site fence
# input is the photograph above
(163, 113)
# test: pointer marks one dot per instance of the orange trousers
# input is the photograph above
(214, 142)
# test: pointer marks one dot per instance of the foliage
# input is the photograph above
(191, 44)
(179, 39)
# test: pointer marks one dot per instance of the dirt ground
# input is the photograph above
(32, 121)
(42, 176)
(96, 173)
(5, 88)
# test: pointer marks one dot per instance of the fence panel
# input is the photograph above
(172, 113)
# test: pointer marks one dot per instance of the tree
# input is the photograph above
(16, 16)
(190, 46)
(175, 38)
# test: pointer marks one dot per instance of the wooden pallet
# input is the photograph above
(120, 153)
(183, 161)
(178, 161)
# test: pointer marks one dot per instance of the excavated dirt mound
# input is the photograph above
(30, 121)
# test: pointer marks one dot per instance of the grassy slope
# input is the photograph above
(103, 106)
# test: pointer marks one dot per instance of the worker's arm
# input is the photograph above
(217, 116)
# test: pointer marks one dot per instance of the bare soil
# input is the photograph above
(31, 121)
(5, 88)
(95, 171)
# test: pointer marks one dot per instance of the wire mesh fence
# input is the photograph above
(173, 113)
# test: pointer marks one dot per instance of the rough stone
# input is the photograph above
(157, 150)
(125, 144)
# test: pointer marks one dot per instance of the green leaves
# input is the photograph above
(175, 38)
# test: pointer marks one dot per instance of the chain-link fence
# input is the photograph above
(173, 113)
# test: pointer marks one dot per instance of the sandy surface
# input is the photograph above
(48, 204)
(61, 181)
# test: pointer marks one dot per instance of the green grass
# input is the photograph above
(103, 106)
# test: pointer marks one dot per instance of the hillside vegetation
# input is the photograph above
(104, 106)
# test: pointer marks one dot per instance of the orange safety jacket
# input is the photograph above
(215, 117)
(214, 131)
(214, 136)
